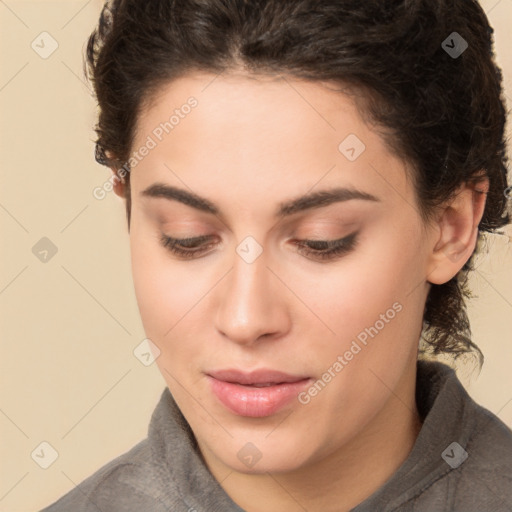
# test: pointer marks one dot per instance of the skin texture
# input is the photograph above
(250, 144)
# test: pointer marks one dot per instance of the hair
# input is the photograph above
(443, 114)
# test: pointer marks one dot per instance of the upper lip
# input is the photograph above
(262, 376)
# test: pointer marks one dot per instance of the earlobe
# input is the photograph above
(457, 232)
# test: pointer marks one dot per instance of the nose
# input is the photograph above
(251, 303)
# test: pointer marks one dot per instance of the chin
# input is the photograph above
(258, 457)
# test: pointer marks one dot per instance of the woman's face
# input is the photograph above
(277, 354)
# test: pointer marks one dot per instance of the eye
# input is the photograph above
(186, 247)
(190, 248)
(327, 249)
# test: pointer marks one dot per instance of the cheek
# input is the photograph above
(377, 322)
(161, 292)
(353, 294)
(171, 300)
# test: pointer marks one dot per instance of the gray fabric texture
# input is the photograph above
(165, 471)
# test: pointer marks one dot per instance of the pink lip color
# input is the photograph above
(234, 390)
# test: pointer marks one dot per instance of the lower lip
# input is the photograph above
(256, 402)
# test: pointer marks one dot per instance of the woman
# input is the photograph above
(306, 184)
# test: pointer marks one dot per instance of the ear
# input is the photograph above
(119, 182)
(457, 231)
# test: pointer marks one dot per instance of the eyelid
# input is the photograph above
(335, 248)
(314, 226)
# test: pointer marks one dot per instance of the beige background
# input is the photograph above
(69, 326)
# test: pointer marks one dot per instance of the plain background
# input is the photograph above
(69, 325)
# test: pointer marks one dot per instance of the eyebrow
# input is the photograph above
(309, 201)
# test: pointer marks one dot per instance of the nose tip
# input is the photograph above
(250, 307)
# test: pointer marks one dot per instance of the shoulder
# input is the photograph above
(477, 473)
(484, 479)
(126, 483)
(464, 451)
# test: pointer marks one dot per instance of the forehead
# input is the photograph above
(253, 134)
(254, 105)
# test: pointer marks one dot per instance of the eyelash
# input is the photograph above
(330, 249)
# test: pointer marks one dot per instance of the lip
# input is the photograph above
(258, 393)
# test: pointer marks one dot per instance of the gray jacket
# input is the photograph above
(460, 462)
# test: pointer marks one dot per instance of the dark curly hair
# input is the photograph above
(442, 113)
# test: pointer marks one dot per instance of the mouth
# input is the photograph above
(256, 394)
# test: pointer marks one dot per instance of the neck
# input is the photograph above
(346, 477)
